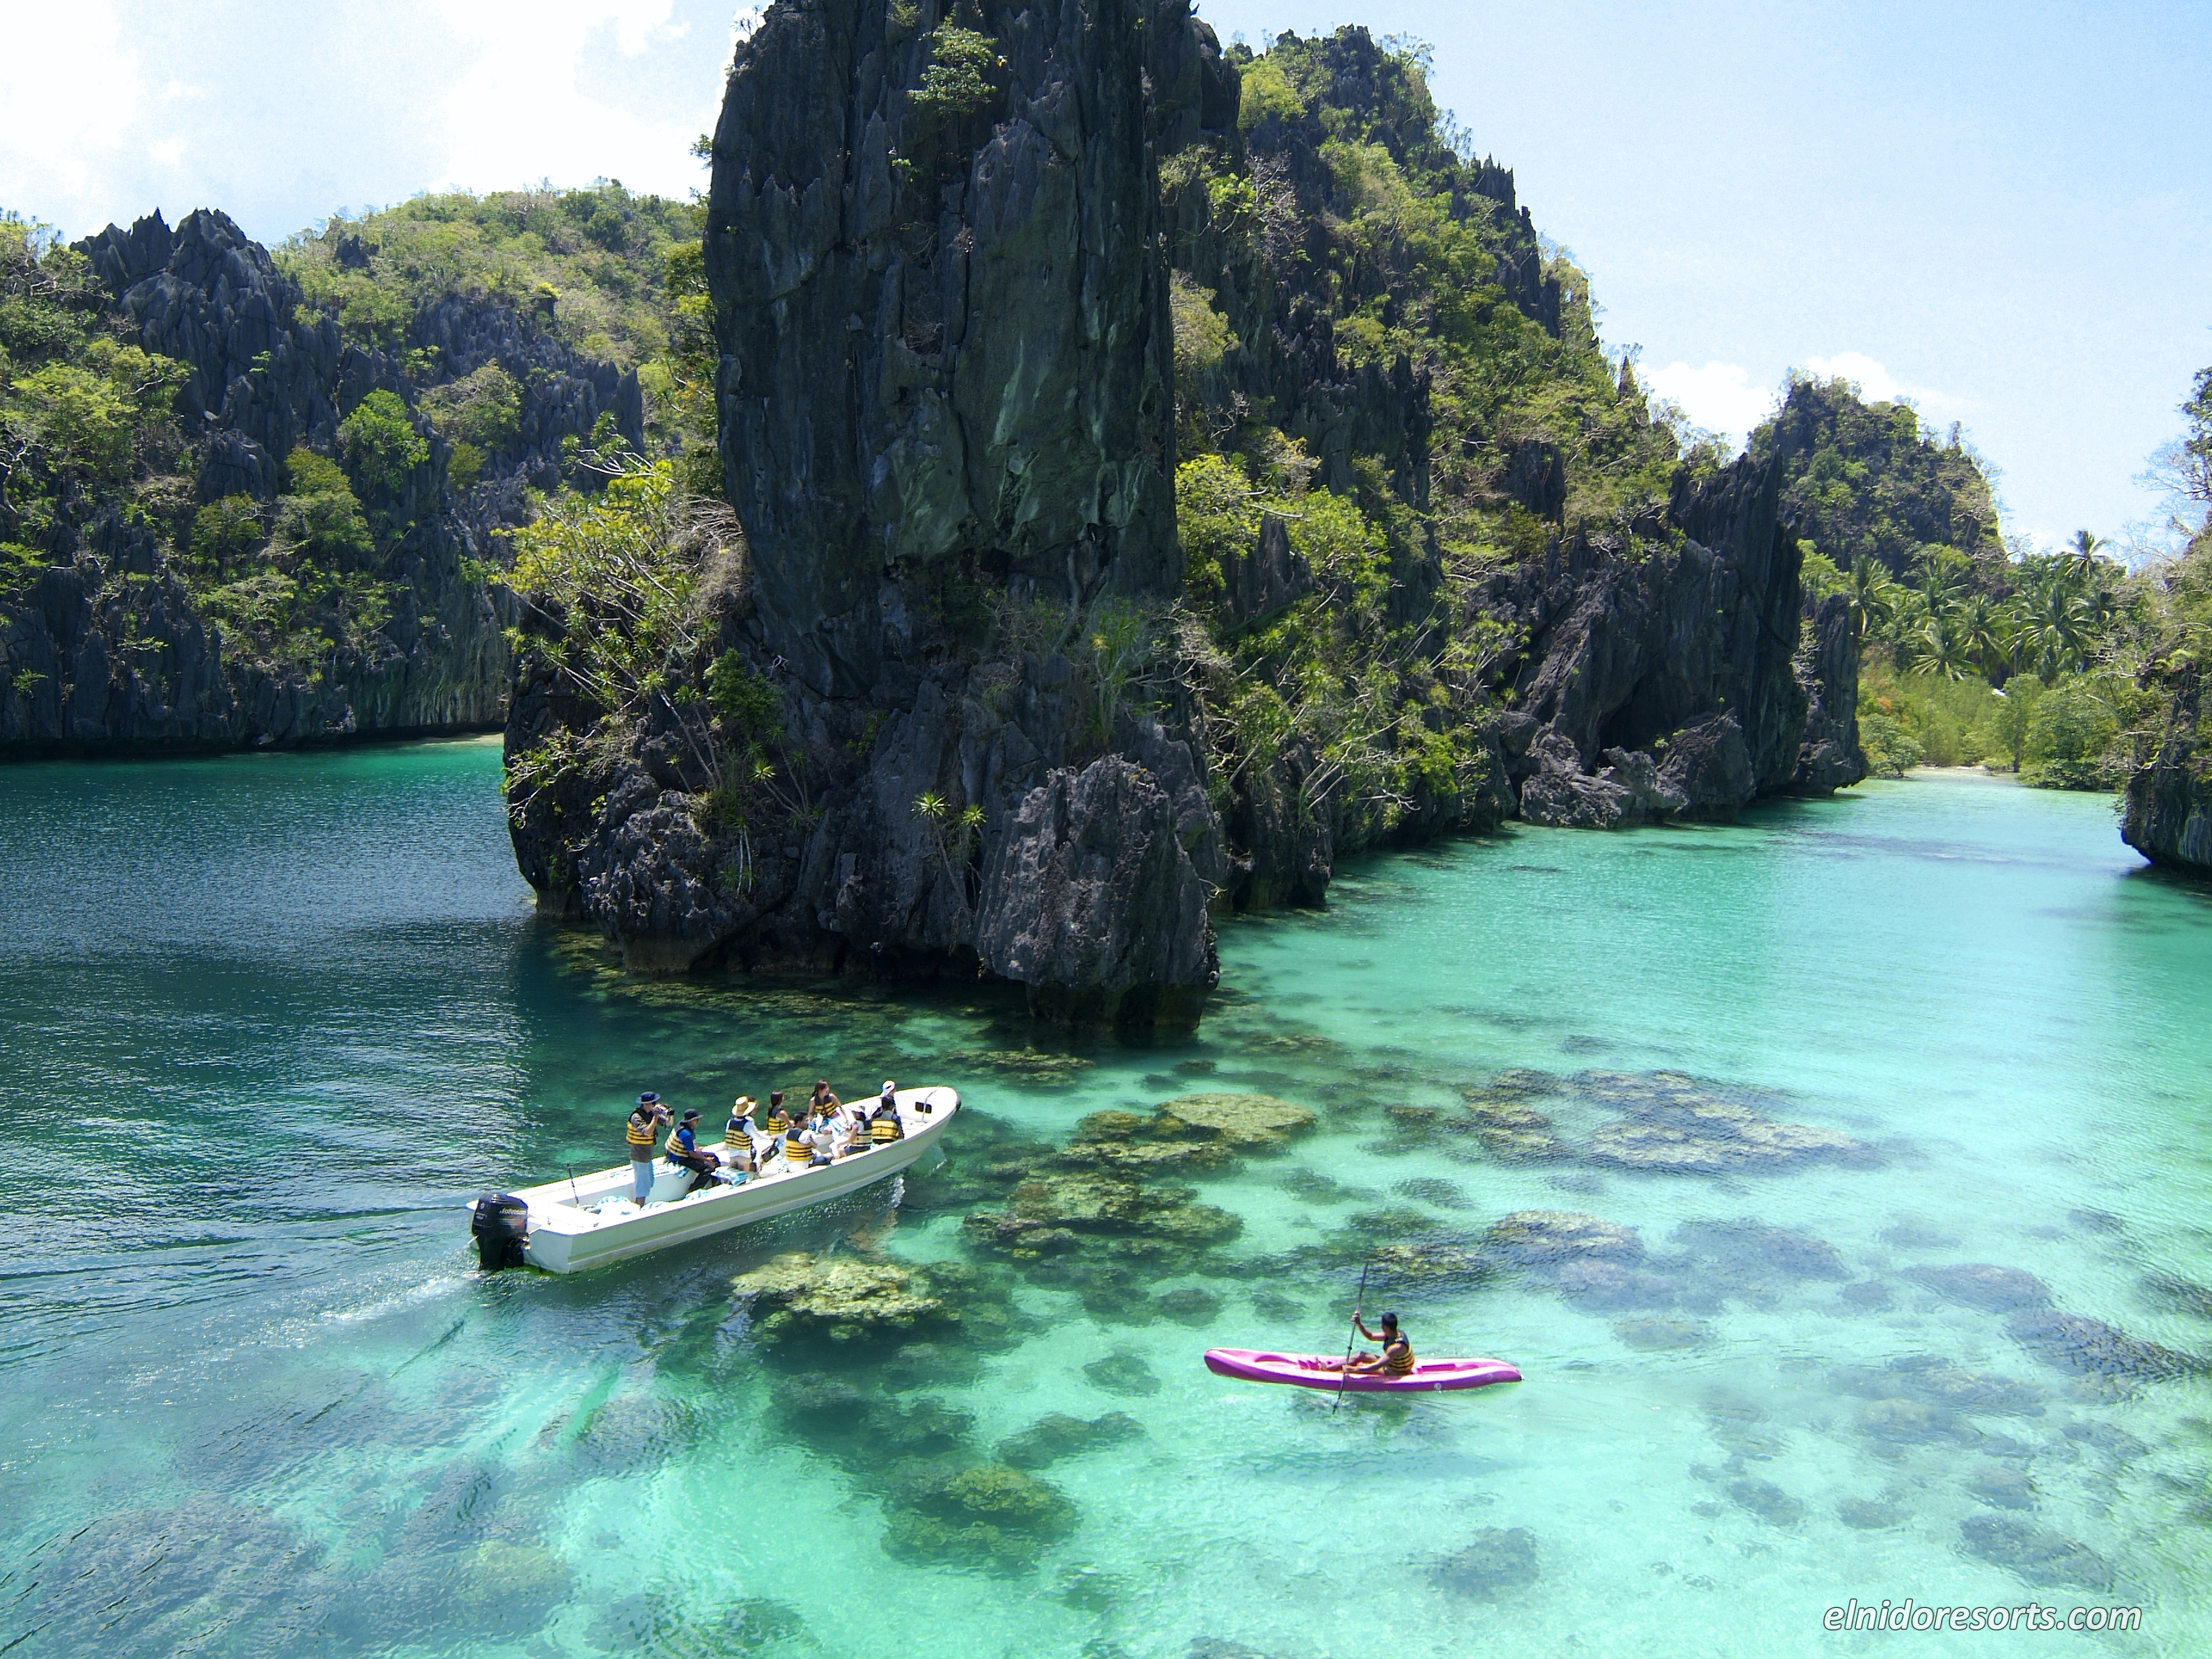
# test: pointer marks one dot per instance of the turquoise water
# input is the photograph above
(266, 1021)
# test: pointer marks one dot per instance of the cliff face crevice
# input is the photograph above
(946, 391)
(113, 648)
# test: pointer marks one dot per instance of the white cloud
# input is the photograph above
(1720, 396)
(74, 96)
(517, 110)
(1875, 382)
(169, 153)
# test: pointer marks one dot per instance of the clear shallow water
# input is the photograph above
(265, 1022)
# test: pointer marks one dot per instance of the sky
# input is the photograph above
(2001, 211)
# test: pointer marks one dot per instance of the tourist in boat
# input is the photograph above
(683, 1148)
(738, 1132)
(884, 1128)
(1397, 1358)
(799, 1142)
(825, 1098)
(824, 1139)
(888, 1100)
(642, 1130)
(777, 1120)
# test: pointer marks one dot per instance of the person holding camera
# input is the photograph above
(642, 1130)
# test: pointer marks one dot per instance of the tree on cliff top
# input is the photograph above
(1862, 481)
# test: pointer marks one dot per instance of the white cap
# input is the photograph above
(888, 1083)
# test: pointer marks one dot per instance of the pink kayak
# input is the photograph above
(1315, 1370)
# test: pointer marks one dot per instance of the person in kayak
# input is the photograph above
(639, 1133)
(1397, 1358)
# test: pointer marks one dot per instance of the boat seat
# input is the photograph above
(668, 1185)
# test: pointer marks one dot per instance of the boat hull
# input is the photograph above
(566, 1236)
(1313, 1370)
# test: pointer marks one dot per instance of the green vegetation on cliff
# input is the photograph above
(1861, 480)
(1373, 350)
(83, 416)
(617, 277)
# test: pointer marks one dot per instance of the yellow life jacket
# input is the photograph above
(775, 1123)
(638, 1135)
(795, 1147)
(1398, 1357)
(884, 1130)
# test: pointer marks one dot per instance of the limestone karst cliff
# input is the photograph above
(231, 575)
(946, 416)
(1160, 471)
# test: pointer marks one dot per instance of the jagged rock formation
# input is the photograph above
(1660, 669)
(109, 648)
(1673, 686)
(2167, 815)
(946, 426)
(949, 430)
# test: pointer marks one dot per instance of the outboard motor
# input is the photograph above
(502, 1228)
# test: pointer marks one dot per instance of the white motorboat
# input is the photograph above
(567, 1225)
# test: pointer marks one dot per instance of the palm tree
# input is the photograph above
(2085, 549)
(1874, 597)
(1985, 635)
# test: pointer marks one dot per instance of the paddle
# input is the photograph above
(1344, 1376)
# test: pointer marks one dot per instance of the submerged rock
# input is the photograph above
(1901, 1420)
(2092, 1348)
(2003, 1486)
(1751, 1249)
(990, 1516)
(1867, 1515)
(1604, 1284)
(838, 1298)
(1122, 1373)
(1546, 1238)
(1052, 1213)
(1190, 1306)
(1246, 1121)
(656, 1623)
(1512, 1131)
(1428, 1189)
(1984, 1285)
(2037, 1556)
(1767, 1501)
(2184, 1294)
(1058, 1435)
(1496, 1560)
(1939, 1381)
(1660, 1334)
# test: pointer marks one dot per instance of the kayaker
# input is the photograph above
(1397, 1358)
(641, 1131)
